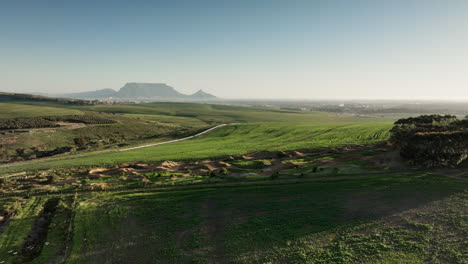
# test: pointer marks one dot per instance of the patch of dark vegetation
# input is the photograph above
(35, 240)
(39, 98)
(8, 211)
(21, 123)
(51, 121)
(56, 151)
(432, 140)
(11, 209)
(427, 120)
(21, 154)
(85, 119)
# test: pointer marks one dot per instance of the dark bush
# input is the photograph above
(50, 121)
(432, 141)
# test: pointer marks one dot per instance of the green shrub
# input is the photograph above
(224, 171)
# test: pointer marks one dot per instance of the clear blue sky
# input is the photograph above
(302, 49)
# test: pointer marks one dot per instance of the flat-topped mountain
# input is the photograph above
(148, 90)
(143, 92)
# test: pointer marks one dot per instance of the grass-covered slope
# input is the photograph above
(238, 139)
(20, 109)
(130, 122)
(412, 218)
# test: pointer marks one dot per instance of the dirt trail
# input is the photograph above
(174, 141)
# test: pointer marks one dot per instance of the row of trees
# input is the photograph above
(424, 120)
(29, 97)
(50, 121)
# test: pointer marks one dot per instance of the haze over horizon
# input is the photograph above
(298, 49)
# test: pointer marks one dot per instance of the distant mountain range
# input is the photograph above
(141, 92)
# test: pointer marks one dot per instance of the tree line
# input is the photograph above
(51, 121)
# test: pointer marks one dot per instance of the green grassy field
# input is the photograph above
(19, 226)
(237, 139)
(20, 109)
(140, 122)
(232, 114)
(184, 112)
(125, 129)
(411, 218)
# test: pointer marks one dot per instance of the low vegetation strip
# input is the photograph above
(139, 189)
(51, 121)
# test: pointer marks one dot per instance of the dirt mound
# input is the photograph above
(202, 168)
(138, 178)
(200, 171)
(96, 176)
(169, 164)
(297, 154)
(141, 166)
(98, 170)
(127, 171)
(207, 167)
(222, 164)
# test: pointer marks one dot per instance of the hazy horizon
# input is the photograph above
(412, 50)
